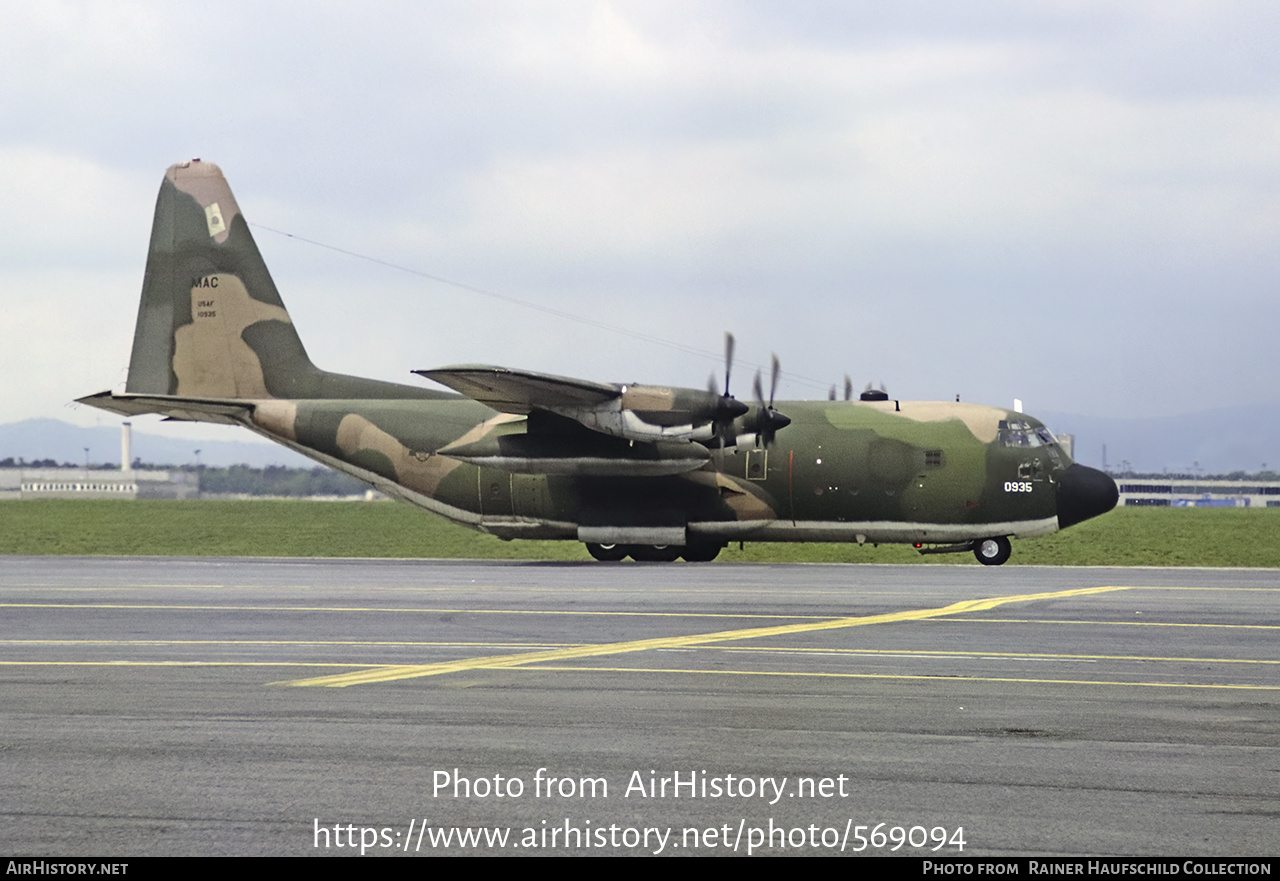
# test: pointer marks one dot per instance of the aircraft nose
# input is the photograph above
(1084, 492)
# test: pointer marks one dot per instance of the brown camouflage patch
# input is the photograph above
(210, 357)
(481, 430)
(203, 181)
(280, 418)
(982, 422)
(742, 500)
(356, 433)
(647, 397)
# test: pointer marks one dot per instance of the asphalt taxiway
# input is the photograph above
(212, 706)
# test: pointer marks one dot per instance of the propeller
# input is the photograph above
(768, 420)
(727, 407)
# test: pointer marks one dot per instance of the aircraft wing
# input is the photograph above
(521, 391)
(634, 412)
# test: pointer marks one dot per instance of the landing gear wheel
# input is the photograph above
(702, 552)
(653, 553)
(606, 553)
(992, 551)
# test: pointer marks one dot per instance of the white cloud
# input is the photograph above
(849, 182)
(65, 209)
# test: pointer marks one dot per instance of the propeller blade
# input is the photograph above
(727, 408)
(848, 388)
(773, 383)
(728, 361)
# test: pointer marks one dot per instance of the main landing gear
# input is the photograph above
(989, 551)
(695, 552)
(607, 553)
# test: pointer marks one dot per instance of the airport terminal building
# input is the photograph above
(1194, 492)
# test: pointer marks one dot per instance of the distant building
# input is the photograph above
(1183, 492)
(82, 483)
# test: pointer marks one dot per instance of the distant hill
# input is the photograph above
(36, 439)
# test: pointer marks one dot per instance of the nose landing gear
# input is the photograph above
(992, 551)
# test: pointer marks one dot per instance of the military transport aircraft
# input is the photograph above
(649, 472)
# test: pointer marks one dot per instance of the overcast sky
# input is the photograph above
(1072, 203)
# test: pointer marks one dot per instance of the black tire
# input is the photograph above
(701, 552)
(606, 553)
(654, 553)
(992, 551)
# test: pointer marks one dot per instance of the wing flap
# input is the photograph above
(521, 391)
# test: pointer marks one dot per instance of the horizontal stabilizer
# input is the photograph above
(187, 409)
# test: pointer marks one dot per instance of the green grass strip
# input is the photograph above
(1125, 537)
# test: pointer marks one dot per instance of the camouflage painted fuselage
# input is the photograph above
(843, 471)
(538, 456)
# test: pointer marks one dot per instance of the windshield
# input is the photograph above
(1024, 434)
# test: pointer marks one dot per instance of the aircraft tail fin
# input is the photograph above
(211, 322)
(213, 335)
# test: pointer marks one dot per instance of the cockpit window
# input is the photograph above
(1023, 434)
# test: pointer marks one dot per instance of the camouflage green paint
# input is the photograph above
(536, 455)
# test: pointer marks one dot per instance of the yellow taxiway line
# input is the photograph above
(491, 662)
